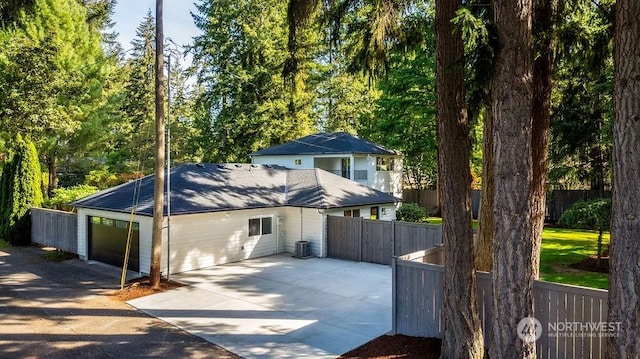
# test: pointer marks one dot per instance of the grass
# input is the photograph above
(57, 256)
(560, 248)
(3, 244)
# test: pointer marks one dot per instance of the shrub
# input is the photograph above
(64, 196)
(594, 215)
(20, 189)
(411, 212)
(102, 178)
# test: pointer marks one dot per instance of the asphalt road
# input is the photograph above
(63, 310)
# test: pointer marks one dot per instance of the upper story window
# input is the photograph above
(385, 164)
(297, 162)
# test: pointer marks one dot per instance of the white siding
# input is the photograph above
(313, 231)
(293, 228)
(387, 212)
(203, 240)
(285, 160)
(305, 224)
(145, 234)
(384, 181)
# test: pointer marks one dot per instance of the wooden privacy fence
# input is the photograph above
(55, 229)
(372, 241)
(567, 313)
(557, 201)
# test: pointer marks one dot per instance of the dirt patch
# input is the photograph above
(141, 287)
(397, 346)
(593, 264)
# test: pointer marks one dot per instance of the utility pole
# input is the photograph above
(158, 196)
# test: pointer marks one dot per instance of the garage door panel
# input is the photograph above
(108, 240)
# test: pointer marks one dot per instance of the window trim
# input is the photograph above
(260, 226)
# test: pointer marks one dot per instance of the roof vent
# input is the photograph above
(199, 165)
(220, 167)
(238, 166)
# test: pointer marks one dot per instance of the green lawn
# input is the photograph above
(560, 248)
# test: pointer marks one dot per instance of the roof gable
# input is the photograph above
(201, 188)
(326, 143)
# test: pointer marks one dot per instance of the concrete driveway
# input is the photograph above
(63, 310)
(279, 306)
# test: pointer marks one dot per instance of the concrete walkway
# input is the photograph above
(279, 306)
(63, 310)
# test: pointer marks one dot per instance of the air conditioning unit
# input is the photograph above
(303, 249)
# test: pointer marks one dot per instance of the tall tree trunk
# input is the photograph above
(462, 336)
(624, 278)
(513, 251)
(544, 13)
(484, 239)
(158, 200)
(52, 170)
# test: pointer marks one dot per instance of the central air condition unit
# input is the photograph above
(303, 250)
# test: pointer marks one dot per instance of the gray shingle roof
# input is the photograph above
(210, 187)
(326, 143)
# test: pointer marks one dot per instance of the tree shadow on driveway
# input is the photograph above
(63, 309)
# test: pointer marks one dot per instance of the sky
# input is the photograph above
(178, 23)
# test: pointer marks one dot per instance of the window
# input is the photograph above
(374, 212)
(352, 213)
(266, 225)
(297, 162)
(254, 226)
(258, 226)
(385, 164)
(382, 164)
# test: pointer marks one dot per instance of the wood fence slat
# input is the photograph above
(377, 241)
(419, 301)
(56, 229)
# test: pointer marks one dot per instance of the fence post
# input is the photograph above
(393, 238)
(360, 240)
(394, 300)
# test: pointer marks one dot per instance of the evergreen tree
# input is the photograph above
(404, 117)
(21, 190)
(52, 76)
(245, 104)
(134, 133)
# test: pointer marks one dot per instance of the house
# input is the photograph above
(222, 213)
(343, 154)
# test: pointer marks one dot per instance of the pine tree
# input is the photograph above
(21, 190)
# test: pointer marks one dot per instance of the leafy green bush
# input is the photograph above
(102, 178)
(411, 212)
(594, 215)
(64, 196)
